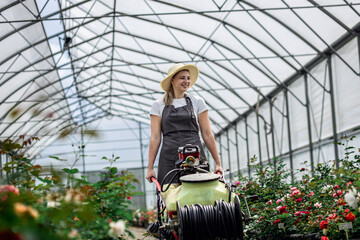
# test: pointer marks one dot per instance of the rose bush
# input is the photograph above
(323, 202)
(37, 203)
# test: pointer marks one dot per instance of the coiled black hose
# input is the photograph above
(223, 220)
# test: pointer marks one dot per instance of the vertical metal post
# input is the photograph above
(272, 134)
(237, 149)
(358, 42)
(289, 134)
(83, 148)
(333, 111)
(309, 123)
(247, 147)
(142, 163)
(228, 150)
(1, 172)
(258, 134)
(220, 152)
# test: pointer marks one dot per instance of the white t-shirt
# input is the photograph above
(198, 103)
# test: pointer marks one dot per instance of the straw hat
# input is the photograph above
(194, 73)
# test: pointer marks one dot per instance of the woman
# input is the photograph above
(178, 117)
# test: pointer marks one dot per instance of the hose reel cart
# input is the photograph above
(202, 206)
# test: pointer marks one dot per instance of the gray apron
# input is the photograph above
(179, 127)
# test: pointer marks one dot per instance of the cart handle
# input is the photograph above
(154, 180)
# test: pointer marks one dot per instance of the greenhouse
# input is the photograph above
(280, 83)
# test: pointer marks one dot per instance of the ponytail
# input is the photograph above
(169, 96)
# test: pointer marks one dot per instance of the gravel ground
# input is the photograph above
(138, 233)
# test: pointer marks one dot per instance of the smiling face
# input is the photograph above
(181, 81)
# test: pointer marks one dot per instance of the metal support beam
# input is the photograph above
(308, 116)
(220, 152)
(228, 150)
(142, 162)
(83, 148)
(333, 112)
(237, 149)
(289, 135)
(247, 147)
(258, 137)
(272, 136)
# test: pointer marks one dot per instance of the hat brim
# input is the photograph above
(194, 73)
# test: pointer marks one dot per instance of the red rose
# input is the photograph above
(336, 187)
(350, 217)
(324, 225)
(298, 200)
(276, 222)
(324, 238)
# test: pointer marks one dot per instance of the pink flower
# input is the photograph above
(302, 213)
(8, 189)
(340, 193)
(334, 195)
(269, 202)
(331, 216)
(237, 183)
(260, 218)
(278, 201)
(346, 210)
(311, 194)
(293, 189)
(324, 238)
(347, 184)
(295, 192)
(298, 200)
(336, 187)
(318, 205)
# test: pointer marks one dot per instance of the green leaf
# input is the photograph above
(357, 183)
(35, 173)
(44, 180)
(113, 170)
(70, 171)
(57, 158)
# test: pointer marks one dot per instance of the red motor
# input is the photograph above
(190, 154)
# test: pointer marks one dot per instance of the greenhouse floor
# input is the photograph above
(138, 233)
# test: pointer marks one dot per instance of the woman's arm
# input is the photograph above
(209, 139)
(155, 140)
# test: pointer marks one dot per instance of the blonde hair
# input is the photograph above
(169, 95)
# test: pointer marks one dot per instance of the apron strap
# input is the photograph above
(188, 102)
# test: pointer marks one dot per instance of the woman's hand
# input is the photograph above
(150, 173)
(218, 168)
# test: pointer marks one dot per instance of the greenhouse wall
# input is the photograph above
(310, 110)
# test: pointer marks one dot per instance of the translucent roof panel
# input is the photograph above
(67, 63)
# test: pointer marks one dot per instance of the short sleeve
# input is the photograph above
(200, 105)
(155, 109)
